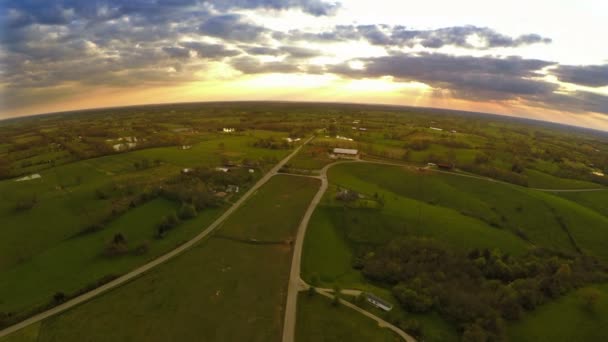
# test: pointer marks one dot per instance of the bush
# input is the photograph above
(187, 212)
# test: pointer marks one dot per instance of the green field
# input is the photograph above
(566, 319)
(311, 158)
(207, 292)
(464, 212)
(320, 321)
(42, 250)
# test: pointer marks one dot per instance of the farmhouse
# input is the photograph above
(222, 169)
(187, 170)
(346, 153)
(378, 302)
(186, 147)
(232, 188)
(228, 130)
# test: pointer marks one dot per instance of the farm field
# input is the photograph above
(311, 158)
(223, 275)
(41, 257)
(319, 320)
(567, 319)
(463, 212)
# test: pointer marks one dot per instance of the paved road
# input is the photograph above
(296, 284)
(144, 268)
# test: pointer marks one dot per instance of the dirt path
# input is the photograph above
(146, 267)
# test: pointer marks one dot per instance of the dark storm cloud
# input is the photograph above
(587, 75)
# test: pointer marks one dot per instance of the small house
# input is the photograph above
(378, 302)
(232, 188)
(228, 130)
(222, 169)
(186, 147)
(187, 170)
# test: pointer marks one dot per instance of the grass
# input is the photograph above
(221, 290)
(77, 262)
(463, 212)
(66, 192)
(538, 179)
(565, 319)
(311, 158)
(534, 216)
(320, 321)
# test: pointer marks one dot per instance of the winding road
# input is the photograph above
(296, 284)
(154, 263)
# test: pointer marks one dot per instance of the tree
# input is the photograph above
(412, 300)
(59, 297)
(187, 211)
(474, 333)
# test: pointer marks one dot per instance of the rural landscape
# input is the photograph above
(303, 171)
(306, 222)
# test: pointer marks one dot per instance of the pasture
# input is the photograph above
(566, 319)
(43, 250)
(319, 320)
(207, 292)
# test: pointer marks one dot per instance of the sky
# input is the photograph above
(541, 59)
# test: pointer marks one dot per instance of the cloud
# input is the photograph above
(401, 36)
(251, 65)
(210, 51)
(232, 27)
(587, 75)
(469, 77)
(314, 7)
(177, 52)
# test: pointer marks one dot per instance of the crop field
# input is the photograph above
(190, 297)
(319, 320)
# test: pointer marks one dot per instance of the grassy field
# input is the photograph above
(463, 212)
(77, 262)
(41, 250)
(311, 158)
(499, 209)
(209, 291)
(538, 179)
(320, 321)
(566, 319)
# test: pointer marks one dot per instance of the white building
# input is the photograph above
(228, 130)
(345, 153)
(378, 302)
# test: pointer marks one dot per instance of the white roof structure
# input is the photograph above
(346, 151)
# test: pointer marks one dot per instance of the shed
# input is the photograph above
(378, 302)
(346, 151)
